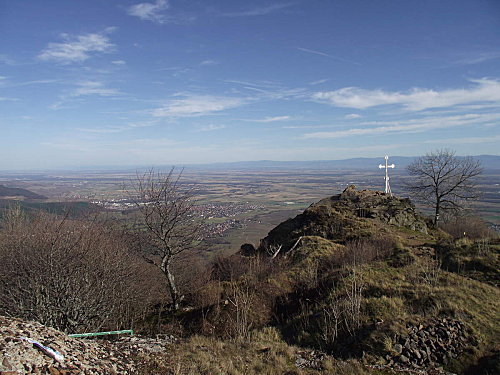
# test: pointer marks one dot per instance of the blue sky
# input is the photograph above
(127, 83)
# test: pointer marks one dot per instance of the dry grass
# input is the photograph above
(266, 353)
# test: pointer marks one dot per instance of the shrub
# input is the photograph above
(365, 250)
(70, 275)
(469, 226)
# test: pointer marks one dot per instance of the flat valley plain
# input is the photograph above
(241, 205)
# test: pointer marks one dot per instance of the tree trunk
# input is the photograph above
(174, 293)
(436, 212)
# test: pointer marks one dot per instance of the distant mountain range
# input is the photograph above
(487, 161)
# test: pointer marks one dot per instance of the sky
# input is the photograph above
(168, 82)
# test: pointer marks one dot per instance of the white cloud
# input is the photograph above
(36, 82)
(409, 126)
(479, 58)
(118, 62)
(5, 99)
(319, 81)
(209, 62)
(261, 11)
(85, 88)
(484, 90)
(4, 59)
(118, 128)
(106, 130)
(197, 105)
(150, 11)
(77, 48)
(7, 60)
(314, 52)
(352, 116)
(466, 140)
(272, 119)
(261, 84)
(211, 127)
(93, 88)
(307, 126)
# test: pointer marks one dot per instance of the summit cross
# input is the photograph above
(387, 166)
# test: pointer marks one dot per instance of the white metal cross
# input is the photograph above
(387, 166)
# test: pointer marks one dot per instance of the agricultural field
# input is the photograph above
(241, 206)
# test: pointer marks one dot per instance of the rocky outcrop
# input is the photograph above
(351, 214)
(384, 207)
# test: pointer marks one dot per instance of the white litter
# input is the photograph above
(49, 351)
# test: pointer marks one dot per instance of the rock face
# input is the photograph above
(81, 356)
(345, 216)
(384, 207)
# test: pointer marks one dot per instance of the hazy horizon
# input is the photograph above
(359, 163)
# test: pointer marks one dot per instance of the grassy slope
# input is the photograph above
(394, 295)
(265, 353)
(404, 284)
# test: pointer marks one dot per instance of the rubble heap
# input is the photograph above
(432, 343)
(80, 356)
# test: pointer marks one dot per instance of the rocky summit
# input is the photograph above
(349, 215)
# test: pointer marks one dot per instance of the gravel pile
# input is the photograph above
(80, 356)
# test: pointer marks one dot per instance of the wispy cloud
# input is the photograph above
(209, 62)
(35, 82)
(479, 58)
(197, 105)
(271, 119)
(483, 90)
(104, 130)
(260, 11)
(85, 88)
(150, 11)
(352, 116)
(118, 128)
(318, 82)
(5, 99)
(260, 84)
(4, 59)
(320, 53)
(308, 126)
(466, 140)
(77, 48)
(118, 62)
(93, 88)
(270, 90)
(409, 126)
(211, 127)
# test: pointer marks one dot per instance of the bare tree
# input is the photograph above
(444, 180)
(166, 210)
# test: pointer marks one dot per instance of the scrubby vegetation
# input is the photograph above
(359, 283)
